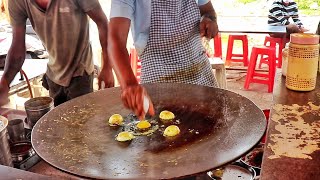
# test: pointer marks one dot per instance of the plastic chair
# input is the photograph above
(238, 57)
(251, 74)
(273, 42)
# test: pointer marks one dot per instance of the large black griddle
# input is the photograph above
(76, 138)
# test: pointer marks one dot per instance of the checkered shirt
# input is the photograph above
(174, 52)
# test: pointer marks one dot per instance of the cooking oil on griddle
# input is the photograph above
(193, 126)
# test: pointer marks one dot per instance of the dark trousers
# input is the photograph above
(78, 86)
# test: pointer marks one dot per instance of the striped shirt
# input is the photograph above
(279, 13)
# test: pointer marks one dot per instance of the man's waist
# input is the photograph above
(63, 77)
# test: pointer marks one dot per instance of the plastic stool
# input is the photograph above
(238, 57)
(135, 63)
(217, 46)
(272, 42)
(269, 78)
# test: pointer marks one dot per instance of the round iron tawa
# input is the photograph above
(75, 136)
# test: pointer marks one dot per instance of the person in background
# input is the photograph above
(63, 28)
(167, 37)
(280, 14)
(318, 29)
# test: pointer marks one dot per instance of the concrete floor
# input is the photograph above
(258, 93)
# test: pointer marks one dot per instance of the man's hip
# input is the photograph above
(78, 86)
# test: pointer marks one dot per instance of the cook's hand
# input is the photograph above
(105, 78)
(208, 28)
(4, 92)
(302, 29)
(293, 28)
(132, 97)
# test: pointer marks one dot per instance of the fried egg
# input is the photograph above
(124, 136)
(171, 131)
(143, 125)
(166, 115)
(116, 120)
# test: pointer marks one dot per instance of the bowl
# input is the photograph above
(21, 151)
(235, 171)
(254, 157)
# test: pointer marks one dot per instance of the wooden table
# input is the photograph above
(245, 29)
(267, 29)
(34, 68)
(292, 150)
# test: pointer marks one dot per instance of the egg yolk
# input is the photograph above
(116, 119)
(124, 136)
(143, 125)
(166, 115)
(171, 130)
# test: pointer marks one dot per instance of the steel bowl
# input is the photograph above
(233, 171)
(254, 157)
(21, 151)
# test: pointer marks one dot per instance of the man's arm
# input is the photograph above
(106, 75)
(208, 24)
(14, 61)
(295, 16)
(132, 92)
(16, 53)
(118, 34)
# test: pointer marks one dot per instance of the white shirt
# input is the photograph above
(139, 12)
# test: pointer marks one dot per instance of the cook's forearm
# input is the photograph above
(103, 31)
(99, 17)
(16, 53)
(13, 63)
(119, 59)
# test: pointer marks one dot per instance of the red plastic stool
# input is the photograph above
(238, 57)
(272, 42)
(217, 46)
(135, 63)
(251, 74)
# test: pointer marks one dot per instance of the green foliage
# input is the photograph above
(310, 12)
(246, 1)
(305, 4)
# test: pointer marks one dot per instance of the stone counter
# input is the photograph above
(292, 150)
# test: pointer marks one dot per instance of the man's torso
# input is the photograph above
(64, 30)
(280, 9)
